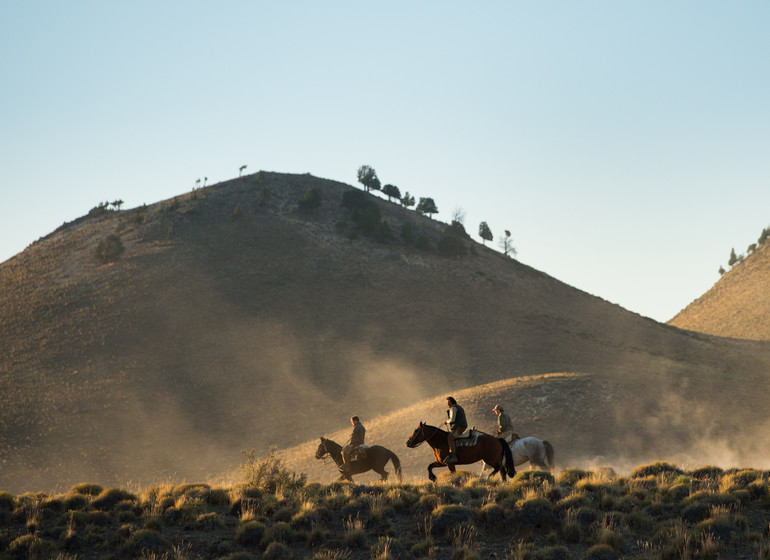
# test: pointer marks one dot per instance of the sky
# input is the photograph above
(624, 145)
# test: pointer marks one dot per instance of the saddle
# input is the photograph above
(359, 453)
(468, 439)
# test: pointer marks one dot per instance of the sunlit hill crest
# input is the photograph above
(738, 305)
(238, 316)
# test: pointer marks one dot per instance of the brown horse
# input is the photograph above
(493, 451)
(376, 458)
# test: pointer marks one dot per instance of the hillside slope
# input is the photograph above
(738, 305)
(236, 320)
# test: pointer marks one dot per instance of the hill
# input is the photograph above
(738, 305)
(235, 320)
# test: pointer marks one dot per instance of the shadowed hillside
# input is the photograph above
(738, 305)
(234, 319)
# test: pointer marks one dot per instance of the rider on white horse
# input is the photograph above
(504, 425)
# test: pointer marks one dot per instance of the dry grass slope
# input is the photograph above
(656, 511)
(738, 305)
(235, 320)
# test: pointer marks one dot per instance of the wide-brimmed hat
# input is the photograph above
(497, 407)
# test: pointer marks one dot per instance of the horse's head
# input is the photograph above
(321, 451)
(417, 437)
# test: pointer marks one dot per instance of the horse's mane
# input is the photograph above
(333, 443)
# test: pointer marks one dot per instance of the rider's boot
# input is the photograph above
(451, 459)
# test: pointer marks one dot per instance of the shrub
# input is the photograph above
(707, 473)
(110, 497)
(7, 502)
(446, 517)
(270, 474)
(656, 469)
(209, 522)
(452, 246)
(143, 541)
(277, 551)
(280, 532)
(601, 552)
(109, 248)
(250, 533)
(75, 502)
(535, 513)
(569, 477)
(739, 480)
(28, 546)
(311, 200)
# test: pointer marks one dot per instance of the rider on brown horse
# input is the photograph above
(457, 425)
(350, 451)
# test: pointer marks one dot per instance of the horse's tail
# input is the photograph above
(508, 462)
(549, 455)
(396, 464)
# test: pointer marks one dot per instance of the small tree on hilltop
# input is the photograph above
(733, 258)
(367, 176)
(485, 233)
(427, 206)
(506, 244)
(407, 200)
(391, 191)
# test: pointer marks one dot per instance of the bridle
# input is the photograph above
(326, 456)
(421, 430)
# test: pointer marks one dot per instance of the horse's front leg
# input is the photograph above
(432, 466)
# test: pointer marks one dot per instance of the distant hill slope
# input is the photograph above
(234, 319)
(738, 305)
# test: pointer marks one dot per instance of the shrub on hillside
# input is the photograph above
(311, 199)
(446, 517)
(110, 497)
(109, 248)
(452, 246)
(269, 474)
(656, 469)
(250, 533)
(28, 546)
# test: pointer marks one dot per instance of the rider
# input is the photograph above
(504, 425)
(457, 425)
(356, 439)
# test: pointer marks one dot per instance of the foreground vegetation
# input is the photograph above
(657, 511)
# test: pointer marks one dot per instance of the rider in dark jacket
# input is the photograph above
(457, 425)
(356, 439)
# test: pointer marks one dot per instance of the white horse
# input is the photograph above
(538, 452)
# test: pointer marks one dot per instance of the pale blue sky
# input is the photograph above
(625, 145)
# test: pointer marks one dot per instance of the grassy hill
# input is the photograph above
(738, 305)
(236, 320)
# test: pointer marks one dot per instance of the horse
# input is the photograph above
(375, 459)
(538, 452)
(490, 449)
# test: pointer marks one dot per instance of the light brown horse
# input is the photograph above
(490, 449)
(376, 458)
